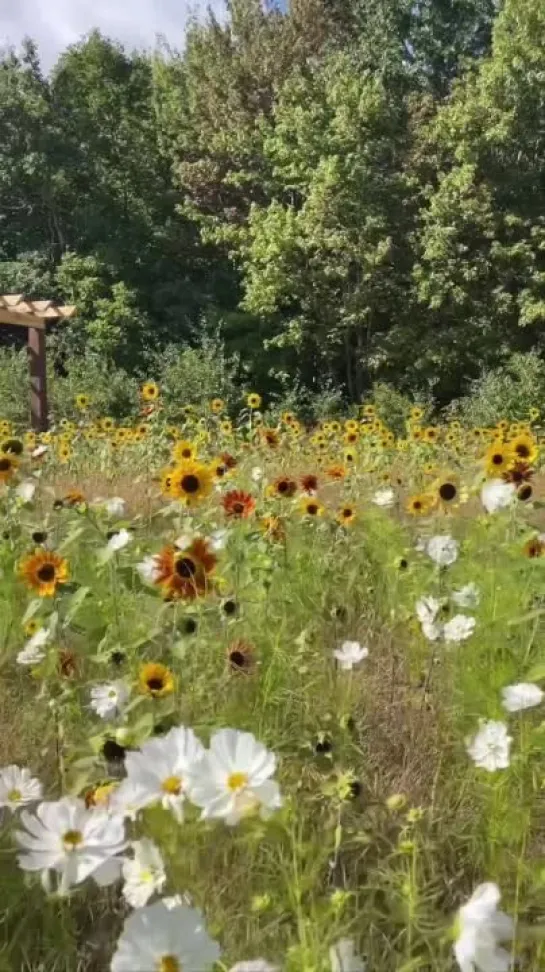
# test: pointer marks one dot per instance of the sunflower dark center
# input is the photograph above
(155, 684)
(497, 459)
(190, 483)
(237, 659)
(46, 573)
(347, 512)
(5, 464)
(283, 486)
(186, 567)
(417, 505)
(312, 509)
(186, 453)
(522, 450)
(525, 492)
(238, 508)
(447, 491)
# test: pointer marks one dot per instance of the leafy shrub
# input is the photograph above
(14, 385)
(508, 391)
(194, 375)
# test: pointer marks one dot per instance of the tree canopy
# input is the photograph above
(348, 191)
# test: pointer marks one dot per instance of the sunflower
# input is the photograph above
(498, 458)
(107, 423)
(269, 436)
(525, 492)
(217, 405)
(533, 414)
(43, 571)
(228, 460)
(311, 507)
(288, 418)
(420, 504)
(369, 411)
(8, 467)
(535, 546)
(253, 400)
(416, 413)
(336, 472)
(64, 452)
(238, 505)
(524, 448)
(273, 528)
(219, 469)
(241, 656)
(351, 425)
(518, 473)
(346, 515)
(283, 486)
(82, 402)
(191, 481)
(184, 450)
(184, 573)
(150, 391)
(309, 483)
(350, 438)
(431, 434)
(12, 446)
(448, 491)
(74, 497)
(416, 433)
(226, 426)
(155, 680)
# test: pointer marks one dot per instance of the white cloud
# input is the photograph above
(136, 23)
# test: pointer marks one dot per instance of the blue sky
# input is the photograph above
(56, 23)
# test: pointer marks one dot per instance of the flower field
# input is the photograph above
(271, 695)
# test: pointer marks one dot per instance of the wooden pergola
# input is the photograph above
(35, 315)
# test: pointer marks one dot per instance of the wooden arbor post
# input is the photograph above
(34, 315)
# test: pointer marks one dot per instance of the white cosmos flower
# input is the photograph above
(33, 653)
(384, 498)
(119, 540)
(349, 654)
(148, 569)
(481, 927)
(496, 495)
(443, 550)
(65, 837)
(18, 787)
(25, 490)
(143, 874)
(524, 695)
(218, 540)
(467, 596)
(254, 965)
(115, 507)
(490, 746)
(257, 474)
(343, 957)
(154, 935)
(159, 771)
(39, 451)
(234, 778)
(427, 609)
(459, 628)
(107, 700)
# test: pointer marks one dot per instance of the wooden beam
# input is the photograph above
(21, 320)
(11, 299)
(38, 378)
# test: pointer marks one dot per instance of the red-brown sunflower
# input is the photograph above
(238, 504)
(284, 486)
(309, 483)
(185, 573)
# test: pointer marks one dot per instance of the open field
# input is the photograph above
(351, 597)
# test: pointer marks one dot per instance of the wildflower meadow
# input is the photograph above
(271, 693)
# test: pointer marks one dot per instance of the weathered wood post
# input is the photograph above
(34, 315)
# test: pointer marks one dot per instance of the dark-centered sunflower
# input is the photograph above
(185, 573)
(156, 680)
(238, 504)
(42, 571)
(191, 481)
(150, 391)
(8, 467)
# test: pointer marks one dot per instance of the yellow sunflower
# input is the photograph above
(346, 515)
(191, 481)
(253, 400)
(82, 402)
(8, 467)
(524, 448)
(150, 391)
(156, 680)
(420, 504)
(448, 491)
(311, 507)
(226, 426)
(498, 458)
(416, 413)
(217, 405)
(107, 424)
(43, 571)
(184, 450)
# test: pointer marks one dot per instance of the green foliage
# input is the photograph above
(193, 376)
(508, 391)
(14, 397)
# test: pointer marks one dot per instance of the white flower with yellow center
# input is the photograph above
(489, 747)
(18, 787)
(143, 874)
(67, 838)
(108, 700)
(480, 929)
(165, 939)
(159, 772)
(233, 780)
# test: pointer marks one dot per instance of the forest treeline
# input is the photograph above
(347, 192)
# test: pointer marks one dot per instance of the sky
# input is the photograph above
(136, 23)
